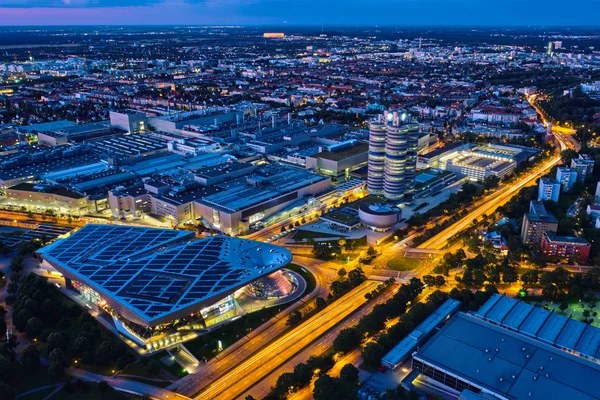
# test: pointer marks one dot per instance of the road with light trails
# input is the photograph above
(261, 389)
(263, 362)
(248, 344)
(489, 204)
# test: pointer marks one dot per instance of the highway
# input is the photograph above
(318, 347)
(489, 204)
(501, 196)
(263, 362)
(250, 343)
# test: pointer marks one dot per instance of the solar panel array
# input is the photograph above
(156, 272)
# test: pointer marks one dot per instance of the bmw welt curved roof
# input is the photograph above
(152, 276)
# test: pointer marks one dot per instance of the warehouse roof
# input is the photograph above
(507, 363)
(541, 324)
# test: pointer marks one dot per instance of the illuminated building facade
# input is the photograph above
(160, 284)
(393, 143)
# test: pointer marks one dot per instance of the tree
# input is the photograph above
(530, 277)
(56, 340)
(356, 276)
(286, 384)
(491, 182)
(30, 358)
(322, 364)
(320, 302)
(105, 352)
(56, 371)
(303, 374)
(349, 374)
(429, 280)
(371, 252)
(347, 340)
(467, 278)
(342, 273)
(294, 317)
(57, 356)
(567, 155)
(34, 327)
(326, 388)
(510, 275)
(372, 354)
(81, 345)
(7, 392)
(440, 280)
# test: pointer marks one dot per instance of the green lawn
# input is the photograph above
(28, 380)
(401, 263)
(576, 309)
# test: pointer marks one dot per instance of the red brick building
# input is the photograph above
(569, 247)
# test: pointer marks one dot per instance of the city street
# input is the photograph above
(263, 362)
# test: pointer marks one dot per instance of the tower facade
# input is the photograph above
(376, 166)
(392, 156)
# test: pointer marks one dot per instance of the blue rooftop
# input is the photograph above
(151, 276)
(507, 363)
(552, 328)
(407, 345)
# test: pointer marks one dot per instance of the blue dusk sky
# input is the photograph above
(301, 12)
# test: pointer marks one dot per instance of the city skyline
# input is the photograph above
(298, 12)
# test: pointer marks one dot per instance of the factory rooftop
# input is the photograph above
(541, 324)
(407, 345)
(508, 364)
(153, 276)
(265, 184)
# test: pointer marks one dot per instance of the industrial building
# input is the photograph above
(512, 350)
(494, 362)
(158, 283)
(478, 162)
(247, 200)
(339, 159)
(47, 197)
(195, 121)
(403, 350)
(129, 121)
(393, 143)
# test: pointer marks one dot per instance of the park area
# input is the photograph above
(401, 263)
(577, 310)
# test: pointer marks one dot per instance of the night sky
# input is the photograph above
(301, 12)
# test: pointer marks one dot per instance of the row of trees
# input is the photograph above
(346, 282)
(67, 332)
(347, 340)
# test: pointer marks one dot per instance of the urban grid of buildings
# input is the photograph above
(176, 184)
